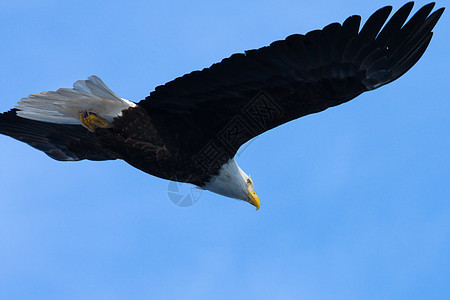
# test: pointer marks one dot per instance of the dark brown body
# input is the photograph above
(188, 128)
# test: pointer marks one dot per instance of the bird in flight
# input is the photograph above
(190, 129)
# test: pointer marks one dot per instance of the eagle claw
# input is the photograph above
(92, 121)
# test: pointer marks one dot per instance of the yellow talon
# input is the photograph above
(91, 120)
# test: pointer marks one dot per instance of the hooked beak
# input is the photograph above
(254, 199)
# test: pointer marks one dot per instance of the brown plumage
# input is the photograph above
(188, 128)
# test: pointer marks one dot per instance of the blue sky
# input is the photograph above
(355, 200)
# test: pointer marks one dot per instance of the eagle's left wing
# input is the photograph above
(64, 142)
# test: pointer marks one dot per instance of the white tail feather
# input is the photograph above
(64, 105)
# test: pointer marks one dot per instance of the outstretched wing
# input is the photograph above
(59, 141)
(248, 94)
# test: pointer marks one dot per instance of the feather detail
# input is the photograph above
(64, 105)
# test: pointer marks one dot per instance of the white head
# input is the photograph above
(234, 183)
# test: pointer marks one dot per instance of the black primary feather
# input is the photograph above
(189, 127)
(59, 141)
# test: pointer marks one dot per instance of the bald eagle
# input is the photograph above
(190, 129)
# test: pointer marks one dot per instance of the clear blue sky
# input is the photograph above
(355, 200)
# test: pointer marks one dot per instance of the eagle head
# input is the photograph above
(232, 182)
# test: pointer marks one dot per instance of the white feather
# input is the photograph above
(64, 105)
(230, 182)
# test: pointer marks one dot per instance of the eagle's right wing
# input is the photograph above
(248, 94)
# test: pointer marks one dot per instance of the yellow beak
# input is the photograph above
(254, 199)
